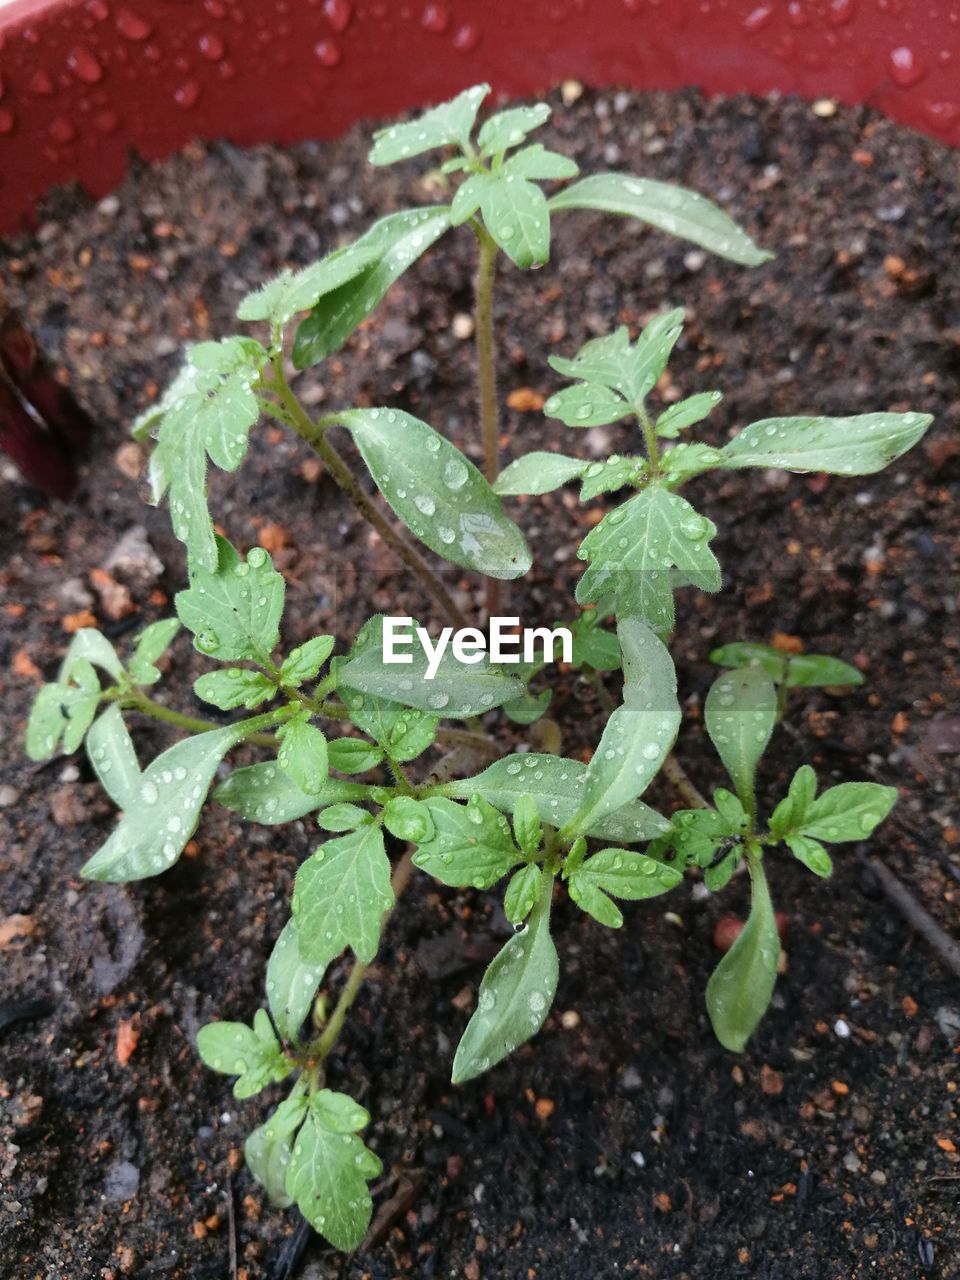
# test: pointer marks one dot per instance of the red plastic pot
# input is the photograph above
(82, 82)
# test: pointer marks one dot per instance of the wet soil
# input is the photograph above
(623, 1140)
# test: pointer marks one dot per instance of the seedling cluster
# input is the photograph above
(345, 737)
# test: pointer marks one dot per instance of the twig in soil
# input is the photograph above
(231, 1229)
(409, 1186)
(291, 1255)
(916, 916)
(682, 783)
(23, 1011)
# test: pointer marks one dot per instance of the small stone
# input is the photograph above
(842, 1029)
(122, 1181)
(14, 927)
(878, 1178)
(824, 108)
(570, 1020)
(8, 796)
(851, 1162)
(67, 806)
(133, 559)
(129, 459)
(462, 326)
(570, 92)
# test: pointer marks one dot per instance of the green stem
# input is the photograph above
(650, 437)
(682, 783)
(487, 377)
(782, 694)
(136, 700)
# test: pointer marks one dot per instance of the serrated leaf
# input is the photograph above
(403, 732)
(594, 646)
(515, 213)
(338, 1112)
(815, 670)
(234, 687)
(740, 711)
(686, 412)
(92, 647)
(638, 734)
(515, 995)
(264, 793)
(624, 874)
(509, 128)
(470, 844)
(537, 473)
(676, 210)
(537, 163)
(391, 246)
(811, 853)
(340, 895)
(684, 461)
(209, 410)
(612, 474)
(269, 1148)
(522, 893)
(587, 405)
(62, 711)
(848, 812)
(694, 835)
(352, 755)
(234, 612)
(152, 643)
(327, 1178)
(526, 825)
(448, 124)
(304, 662)
(303, 754)
(437, 492)
(557, 786)
(730, 809)
(281, 298)
(250, 1053)
(153, 831)
(291, 982)
(747, 653)
(343, 817)
(408, 819)
(856, 446)
(528, 708)
(113, 758)
(467, 197)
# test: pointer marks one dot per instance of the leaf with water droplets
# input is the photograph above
(812, 854)
(638, 734)
(234, 612)
(209, 409)
(515, 995)
(557, 787)
(265, 793)
(848, 812)
(515, 213)
(303, 753)
(234, 687)
(748, 653)
(152, 643)
(269, 1148)
(304, 662)
(587, 404)
(390, 246)
(631, 370)
(449, 124)
(90, 646)
(509, 128)
(340, 895)
(353, 755)
(684, 461)
(327, 1178)
(522, 893)
(469, 844)
(593, 645)
(63, 711)
(612, 474)
(291, 982)
(114, 760)
(624, 874)
(540, 164)
(819, 670)
(790, 812)
(403, 732)
(467, 197)
(527, 826)
(856, 446)
(537, 473)
(741, 986)
(153, 830)
(281, 298)
(686, 412)
(740, 712)
(343, 817)
(676, 210)
(253, 1054)
(437, 492)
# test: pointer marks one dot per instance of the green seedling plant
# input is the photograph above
(367, 751)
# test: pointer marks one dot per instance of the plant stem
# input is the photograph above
(682, 783)
(487, 377)
(137, 700)
(328, 1038)
(314, 435)
(650, 437)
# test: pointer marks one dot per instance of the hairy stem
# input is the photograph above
(137, 700)
(682, 783)
(487, 377)
(650, 437)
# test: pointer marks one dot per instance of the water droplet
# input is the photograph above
(327, 52)
(62, 130)
(905, 69)
(466, 38)
(435, 17)
(211, 46)
(41, 84)
(149, 793)
(424, 504)
(455, 474)
(84, 65)
(187, 94)
(758, 18)
(438, 700)
(338, 13)
(132, 25)
(537, 1001)
(107, 121)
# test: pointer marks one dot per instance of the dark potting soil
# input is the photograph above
(623, 1140)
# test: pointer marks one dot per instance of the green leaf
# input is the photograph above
(353, 755)
(529, 707)
(269, 1149)
(685, 413)
(340, 895)
(304, 662)
(612, 474)
(526, 825)
(281, 298)
(209, 409)
(291, 983)
(740, 712)
(92, 647)
(467, 198)
(438, 494)
(685, 461)
(812, 854)
(637, 735)
(456, 691)
(842, 446)
(449, 124)
(539, 164)
(515, 995)
(234, 687)
(113, 758)
(388, 248)
(731, 810)
(303, 753)
(848, 812)
(816, 670)
(747, 653)
(594, 901)
(516, 215)
(694, 835)
(408, 819)
(152, 832)
(403, 732)
(537, 473)
(63, 711)
(741, 986)
(470, 844)
(509, 128)
(790, 812)
(343, 817)
(639, 542)
(670, 208)
(264, 793)
(594, 646)
(152, 643)
(622, 873)
(522, 893)
(250, 1053)
(587, 404)
(557, 786)
(338, 1112)
(234, 612)
(327, 1178)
